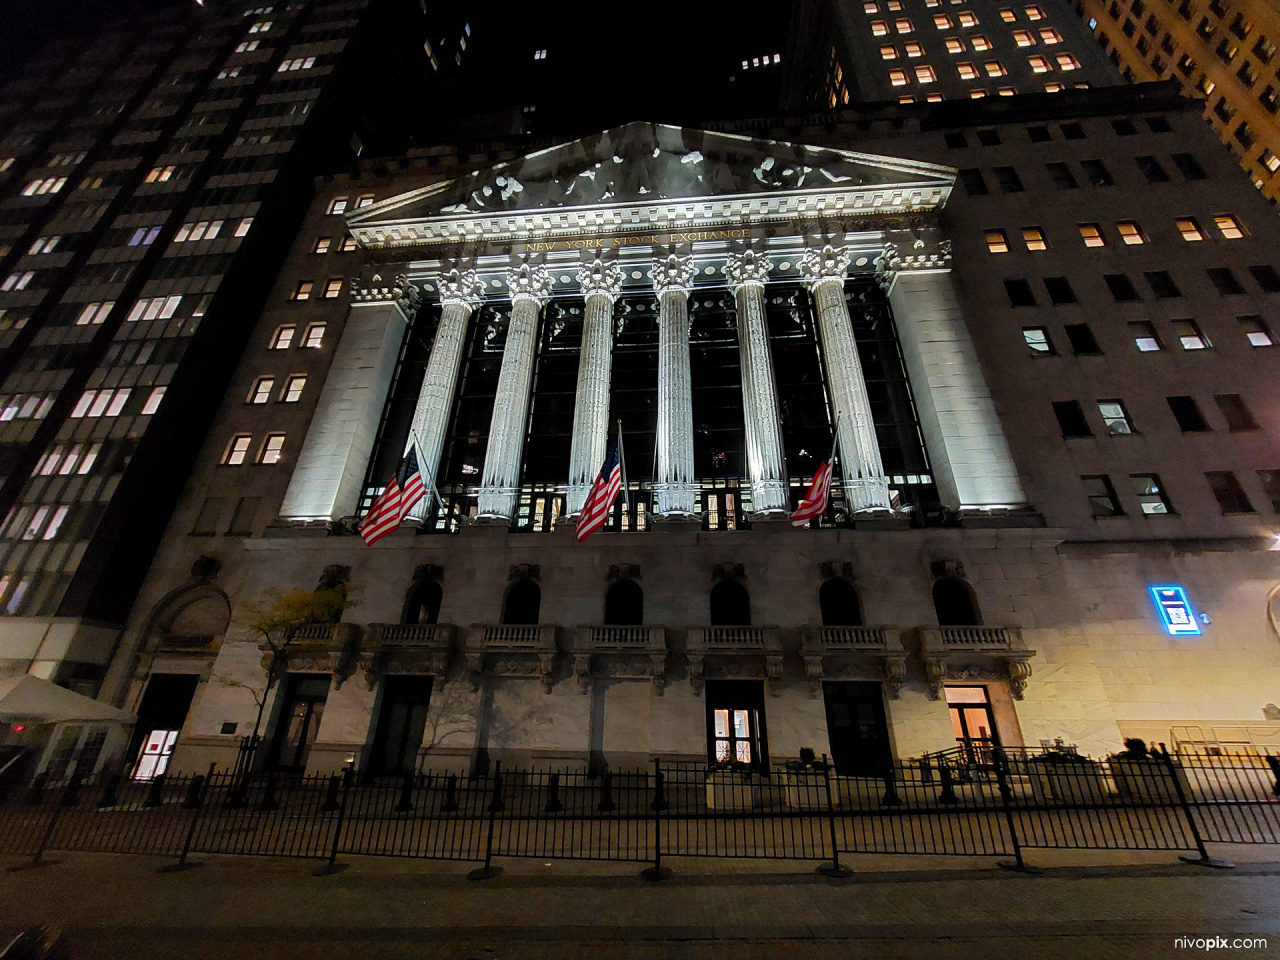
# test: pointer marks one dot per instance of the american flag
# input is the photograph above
(814, 503)
(599, 503)
(403, 490)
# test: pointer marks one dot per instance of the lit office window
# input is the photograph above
(18, 281)
(1039, 64)
(1255, 331)
(100, 403)
(153, 401)
(1034, 13)
(1131, 233)
(302, 291)
(967, 19)
(1150, 493)
(1092, 236)
(261, 391)
(903, 25)
(44, 245)
(994, 68)
(955, 45)
(271, 448)
(1144, 336)
(1189, 230)
(967, 71)
(1050, 36)
(283, 337)
(925, 74)
(315, 335)
(1033, 237)
(94, 312)
(237, 449)
(332, 288)
(997, 242)
(1067, 61)
(1190, 335)
(913, 49)
(1228, 227)
(322, 245)
(160, 174)
(243, 226)
(980, 43)
(338, 205)
(1023, 38)
(154, 308)
(293, 388)
(898, 78)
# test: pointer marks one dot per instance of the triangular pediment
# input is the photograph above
(643, 168)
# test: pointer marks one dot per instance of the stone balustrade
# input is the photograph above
(512, 650)
(624, 652)
(854, 653)
(735, 651)
(975, 653)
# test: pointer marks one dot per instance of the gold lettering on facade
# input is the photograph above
(645, 240)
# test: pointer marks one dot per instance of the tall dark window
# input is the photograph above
(802, 396)
(839, 602)
(402, 721)
(1230, 495)
(718, 438)
(624, 604)
(468, 436)
(555, 387)
(633, 391)
(423, 602)
(299, 722)
(730, 605)
(523, 603)
(954, 603)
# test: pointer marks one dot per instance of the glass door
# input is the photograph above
(299, 722)
(973, 723)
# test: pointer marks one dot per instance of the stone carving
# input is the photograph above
(462, 287)
(205, 568)
(824, 266)
(673, 275)
(529, 281)
(924, 256)
(747, 268)
(895, 670)
(402, 293)
(1019, 673)
(674, 490)
(935, 670)
(601, 278)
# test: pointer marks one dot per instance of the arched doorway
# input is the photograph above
(839, 603)
(955, 604)
(624, 604)
(730, 605)
(523, 604)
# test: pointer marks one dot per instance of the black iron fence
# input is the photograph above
(673, 809)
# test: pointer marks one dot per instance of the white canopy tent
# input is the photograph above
(68, 730)
(29, 699)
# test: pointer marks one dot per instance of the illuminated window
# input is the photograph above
(1007, 91)
(38, 188)
(1190, 335)
(1092, 236)
(322, 245)
(237, 449)
(1067, 61)
(94, 312)
(1037, 339)
(1116, 417)
(967, 19)
(903, 25)
(870, 8)
(271, 447)
(913, 49)
(315, 335)
(1144, 336)
(1269, 160)
(262, 26)
(55, 524)
(1039, 64)
(933, 98)
(153, 308)
(1228, 227)
(1033, 237)
(1050, 36)
(243, 226)
(1131, 233)
(942, 21)
(160, 174)
(898, 78)
(907, 99)
(45, 245)
(293, 388)
(348, 244)
(980, 43)
(977, 94)
(955, 45)
(1008, 16)
(889, 53)
(1023, 38)
(338, 205)
(18, 281)
(879, 28)
(153, 401)
(967, 71)
(1034, 13)
(997, 242)
(261, 391)
(303, 291)
(1053, 88)
(1255, 331)
(994, 68)
(925, 74)
(100, 403)
(332, 288)
(893, 6)
(283, 337)
(246, 46)
(1189, 229)
(1150, 493)
(364, 200)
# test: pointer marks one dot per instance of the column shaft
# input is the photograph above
(765, 464)
(500, 481)
(861, 469)
(676, 492)
(601, 282)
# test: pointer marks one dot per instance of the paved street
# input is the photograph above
(123, 907)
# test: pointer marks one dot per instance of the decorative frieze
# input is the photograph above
(401, 291)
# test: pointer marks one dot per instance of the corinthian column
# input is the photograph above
(675, 492)
(460, 292)
(862, 473)
(765, 465)
(499, 484)
(601, 283)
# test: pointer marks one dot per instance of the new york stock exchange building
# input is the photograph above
(994, 566)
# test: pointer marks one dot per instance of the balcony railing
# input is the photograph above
(523, 644)
(857, 649)
(764, 643)
(1001, 646)
(979, 638)
(636, 652)
(412, 634)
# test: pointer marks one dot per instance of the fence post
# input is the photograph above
(155, 792)
(450, 804)
(496, 805)
(194, 803)
(269, 801)
(553, 795)
(606, 794)
(1203, 860)
(406, 794)
(109, 789)
(834, 869)
(331, 802)
(332, 865)
(37, 860)
(890, 798)
(1274, 764)
(658, 805)
(1006, 800)
(947, 794)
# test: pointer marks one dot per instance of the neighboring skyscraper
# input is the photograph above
(1222, 53)
(151, 179)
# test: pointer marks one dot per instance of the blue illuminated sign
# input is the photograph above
(1175, 610)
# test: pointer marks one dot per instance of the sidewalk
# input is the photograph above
(115, 906)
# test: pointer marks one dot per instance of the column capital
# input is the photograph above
(601, 279)
(933, 256)
(747, 268)
(825, 265)
(674, 274)
(461, 287)
(529, 281)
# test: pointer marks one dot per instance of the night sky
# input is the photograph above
(28, 24)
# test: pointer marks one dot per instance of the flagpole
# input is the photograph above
(417, 450)
(622, 462)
